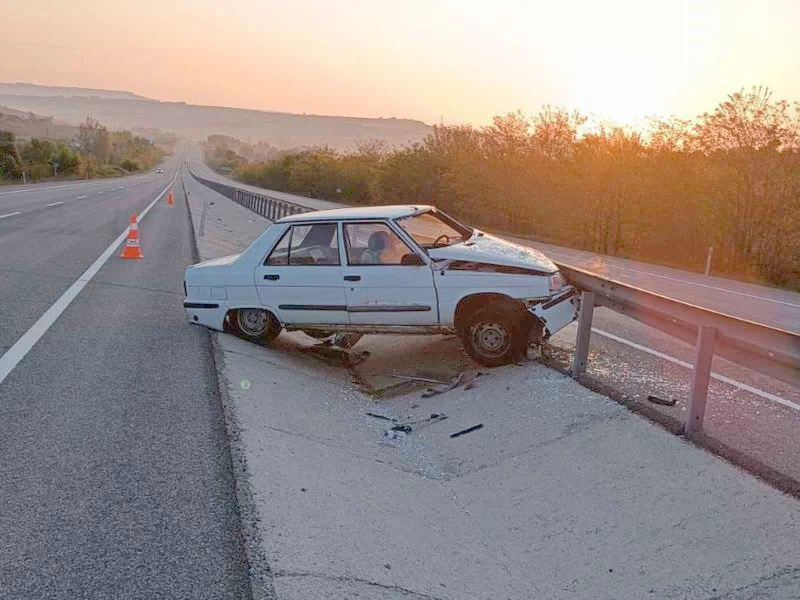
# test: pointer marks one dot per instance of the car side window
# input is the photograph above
(307, 245)
(280, 253)
(374, 244)
(315, 244)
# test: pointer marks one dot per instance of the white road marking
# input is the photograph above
(55, 203)
(687, 282)
(58, 187)
(683, 363)
(44, 189)
(101, 192)
(23, 345)
(10, 214)
(81, 197)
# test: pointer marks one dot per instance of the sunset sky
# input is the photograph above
(461, 61)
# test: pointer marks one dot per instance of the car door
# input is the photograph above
(386, 281)
(301, 278)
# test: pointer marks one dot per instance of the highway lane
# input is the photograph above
(44, 248)
(116, 472)
(23, 199)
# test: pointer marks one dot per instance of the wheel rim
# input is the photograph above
(491, 339)
(252, 321)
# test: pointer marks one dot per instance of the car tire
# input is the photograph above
(492, 336)
(255, 324)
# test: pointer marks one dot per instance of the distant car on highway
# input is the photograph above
(159, 170)
(389, 270)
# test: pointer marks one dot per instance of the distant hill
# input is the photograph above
(27, 124)
(123, 110)
(31, 89)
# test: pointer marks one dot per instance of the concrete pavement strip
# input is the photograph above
(562, 494)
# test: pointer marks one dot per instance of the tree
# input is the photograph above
(10, 161)
(93, 140)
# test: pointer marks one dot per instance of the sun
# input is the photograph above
(619, 86)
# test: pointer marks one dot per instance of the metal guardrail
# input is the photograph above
(266, 206)
(773, 352)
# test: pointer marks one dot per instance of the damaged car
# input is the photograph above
(384, 270)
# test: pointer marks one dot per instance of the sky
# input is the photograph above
(433, 60)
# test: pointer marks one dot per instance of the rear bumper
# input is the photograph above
(210, 313)
(556, 312)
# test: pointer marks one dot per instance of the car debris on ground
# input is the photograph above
(335, 355)
(465, 378)
(662, 401)
(467, 430)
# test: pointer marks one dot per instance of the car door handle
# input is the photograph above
(352, 277)
(272, 277)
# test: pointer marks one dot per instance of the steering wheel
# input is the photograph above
(446, 240)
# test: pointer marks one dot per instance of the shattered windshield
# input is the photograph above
(433, 229)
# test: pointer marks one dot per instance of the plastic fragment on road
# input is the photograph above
(377, 416)
(465, 378)
(661, 401)
(336, 356)
(467, 430)
(409, 426)
(415, 378)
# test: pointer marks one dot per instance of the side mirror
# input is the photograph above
(412, 260)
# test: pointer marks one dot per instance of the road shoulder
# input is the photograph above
(561, 494)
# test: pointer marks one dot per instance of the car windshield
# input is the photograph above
(434, 229)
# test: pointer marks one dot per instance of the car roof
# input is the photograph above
(362, 212)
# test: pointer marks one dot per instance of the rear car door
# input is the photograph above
(386, 281)
(300, 279)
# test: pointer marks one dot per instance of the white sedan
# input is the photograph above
(384, 269)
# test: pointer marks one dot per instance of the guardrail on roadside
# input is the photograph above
(266, 206)
(773, 352)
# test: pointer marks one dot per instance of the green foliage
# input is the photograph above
(729, 179)
(94, 152)
(10, 160)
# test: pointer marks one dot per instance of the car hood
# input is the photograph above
(218, 262)
(485, 248)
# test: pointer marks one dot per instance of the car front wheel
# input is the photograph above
(255, 324)
(491, 337)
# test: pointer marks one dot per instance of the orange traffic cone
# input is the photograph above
(170, 199)
(132, 248)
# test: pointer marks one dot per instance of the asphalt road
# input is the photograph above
(116, 473)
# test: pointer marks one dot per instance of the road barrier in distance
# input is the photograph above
(267, 206)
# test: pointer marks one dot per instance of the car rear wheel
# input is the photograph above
(255, 324)
(492, 337)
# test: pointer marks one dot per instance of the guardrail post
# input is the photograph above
(581, 355)
(701, 375)
(203, 218)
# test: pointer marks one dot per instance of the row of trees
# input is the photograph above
(728, 179)
(93, 152)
